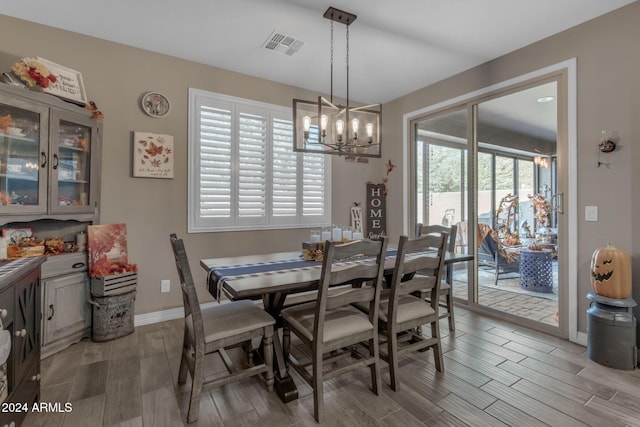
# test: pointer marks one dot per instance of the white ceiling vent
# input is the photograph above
(279, 42)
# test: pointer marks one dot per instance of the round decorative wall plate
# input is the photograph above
(155, 104)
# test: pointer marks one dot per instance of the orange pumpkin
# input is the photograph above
(611, 272)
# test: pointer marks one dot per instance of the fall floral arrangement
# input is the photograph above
(541, 209)
(33, 72)
(310, 254)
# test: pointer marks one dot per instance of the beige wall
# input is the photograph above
(608, 92)
(115, 76)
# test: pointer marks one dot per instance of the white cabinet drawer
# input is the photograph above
(64, 264)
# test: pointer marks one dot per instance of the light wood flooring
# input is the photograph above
(496, 374)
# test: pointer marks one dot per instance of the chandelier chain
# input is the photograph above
(347, 58)
(331, 97)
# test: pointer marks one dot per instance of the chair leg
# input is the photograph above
(392, 349)
(268, 356)
(374, 351)
(437, 348)
(452, 322)
(318, 391)
(196, 389)
(184, 366)
(248, 350)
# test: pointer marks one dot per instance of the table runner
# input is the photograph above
(218, 275)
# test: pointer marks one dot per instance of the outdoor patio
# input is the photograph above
(509, 297)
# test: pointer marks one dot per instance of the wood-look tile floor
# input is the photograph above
(496, 374)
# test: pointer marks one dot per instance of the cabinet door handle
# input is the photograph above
(51, 312)
(44, 160)
(78, 265)
(55, 157)
(21, 333)
(3, 313)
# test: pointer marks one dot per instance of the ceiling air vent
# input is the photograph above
(278, 42)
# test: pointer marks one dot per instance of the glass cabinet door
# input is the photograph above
(23, 157)
(72, 161)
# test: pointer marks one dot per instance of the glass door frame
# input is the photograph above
(564, 74)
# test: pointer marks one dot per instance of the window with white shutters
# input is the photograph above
(243, 172)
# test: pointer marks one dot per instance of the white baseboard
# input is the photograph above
(163, 316)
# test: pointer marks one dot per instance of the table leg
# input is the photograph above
(284, 385)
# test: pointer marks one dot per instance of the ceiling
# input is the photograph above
(395, 47)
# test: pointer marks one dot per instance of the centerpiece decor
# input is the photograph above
(33, 73)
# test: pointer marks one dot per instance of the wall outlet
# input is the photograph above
(165, 286)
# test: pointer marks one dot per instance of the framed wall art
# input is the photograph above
(68, 85)
(152, 155)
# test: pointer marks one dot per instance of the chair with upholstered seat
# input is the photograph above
(446, 290)
(331, 328)
(402, 313)
(217, 329)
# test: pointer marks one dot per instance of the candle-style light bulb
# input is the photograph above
(339, 129)
(369, 128)
(323, 122)
(355, 124)
(323, 125)
(306, 123)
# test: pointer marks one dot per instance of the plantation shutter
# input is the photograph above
(285, 170)
(215, 132)
(243, 172)
(313, 185)
(252, 163)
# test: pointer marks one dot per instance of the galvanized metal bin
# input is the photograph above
(611, 332)
(112, 316)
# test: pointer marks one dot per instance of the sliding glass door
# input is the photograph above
(490, 168)
(442, 181)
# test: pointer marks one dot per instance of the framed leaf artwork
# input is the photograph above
(152, 155)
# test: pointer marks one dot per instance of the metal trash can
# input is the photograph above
(611, 332)
(112, 316)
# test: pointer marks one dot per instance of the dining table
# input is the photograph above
(272, 278)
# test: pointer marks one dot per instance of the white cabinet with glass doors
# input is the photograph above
(49, 154)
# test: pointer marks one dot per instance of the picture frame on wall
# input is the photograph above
(152, 155)
(68, 85)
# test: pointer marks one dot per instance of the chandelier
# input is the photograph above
(324, 127)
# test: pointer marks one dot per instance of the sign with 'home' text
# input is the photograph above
(376, 211)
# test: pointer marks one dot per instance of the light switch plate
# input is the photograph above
(590, 213)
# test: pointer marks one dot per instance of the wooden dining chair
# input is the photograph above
(217, 329)
(405, 316)
(403, 313)
(331, 327)
(446, 290)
